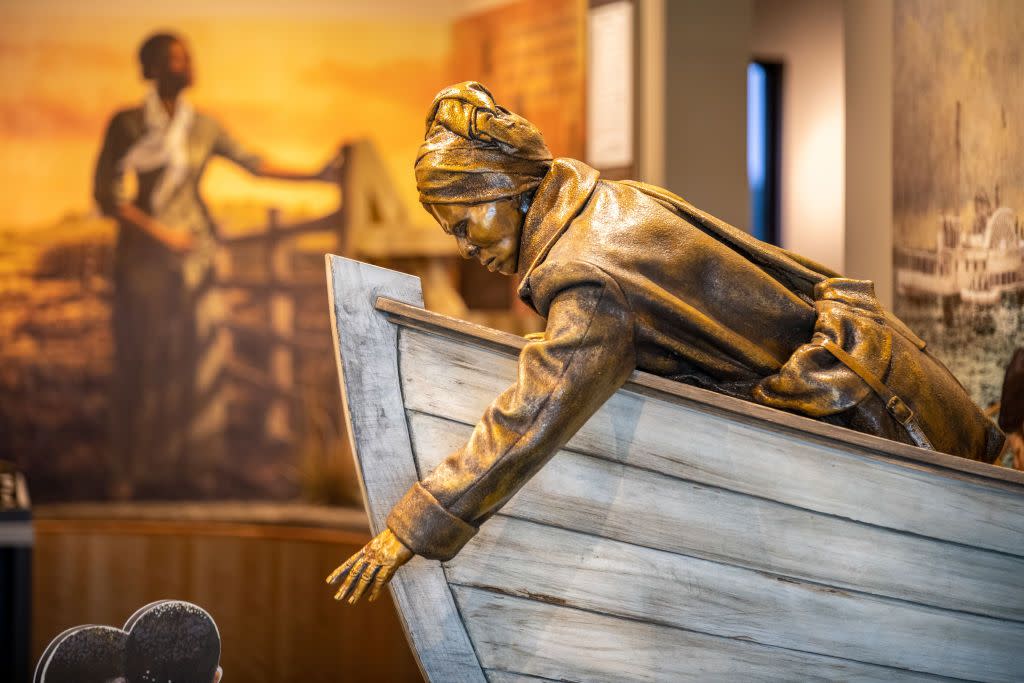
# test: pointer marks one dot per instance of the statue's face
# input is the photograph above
(488, 232)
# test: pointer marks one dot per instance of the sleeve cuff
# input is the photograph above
(426, 528)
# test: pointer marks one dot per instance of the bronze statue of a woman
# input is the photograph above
(629, 277)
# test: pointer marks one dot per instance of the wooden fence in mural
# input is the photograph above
(271, 296)
(273, 281)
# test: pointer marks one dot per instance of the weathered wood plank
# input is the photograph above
(455, 380)
(366, 349)
(660, 387)
(621, 502)
(529, 560)
(496, 676)
(561, 643)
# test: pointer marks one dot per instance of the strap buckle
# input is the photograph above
(899, 410)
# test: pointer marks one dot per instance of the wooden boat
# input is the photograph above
(681, 534)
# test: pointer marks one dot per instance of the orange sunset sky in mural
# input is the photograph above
(291, 81)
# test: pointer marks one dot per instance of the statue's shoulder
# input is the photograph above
(627, 207)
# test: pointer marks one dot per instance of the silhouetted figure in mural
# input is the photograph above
(166, 403)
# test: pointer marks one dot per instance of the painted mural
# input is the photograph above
(244, 347)
(288, 85)
(958, 173)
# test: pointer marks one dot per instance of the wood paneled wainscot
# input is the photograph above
(258, 569)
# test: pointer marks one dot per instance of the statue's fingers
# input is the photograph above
(381, 580)
(344, 569)
(350, 580)
(364, 582)
(339, 572)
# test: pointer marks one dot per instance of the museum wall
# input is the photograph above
(707, 48)
(870, 94)
(529, 54)
(806, 36)
(867, 53)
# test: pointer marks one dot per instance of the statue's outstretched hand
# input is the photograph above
(375, 564)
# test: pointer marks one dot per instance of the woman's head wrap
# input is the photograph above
(475, 151)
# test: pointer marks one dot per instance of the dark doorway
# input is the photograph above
(764, 138)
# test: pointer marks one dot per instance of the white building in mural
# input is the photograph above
(977, 265)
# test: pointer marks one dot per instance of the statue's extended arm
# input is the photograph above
(587, 353)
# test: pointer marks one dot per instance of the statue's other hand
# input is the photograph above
(374, 565)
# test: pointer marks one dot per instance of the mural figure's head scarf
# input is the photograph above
(476, 151)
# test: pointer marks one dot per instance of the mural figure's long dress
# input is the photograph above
(167, 408)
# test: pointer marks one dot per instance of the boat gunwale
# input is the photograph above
(385, 462)
(874, 447)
